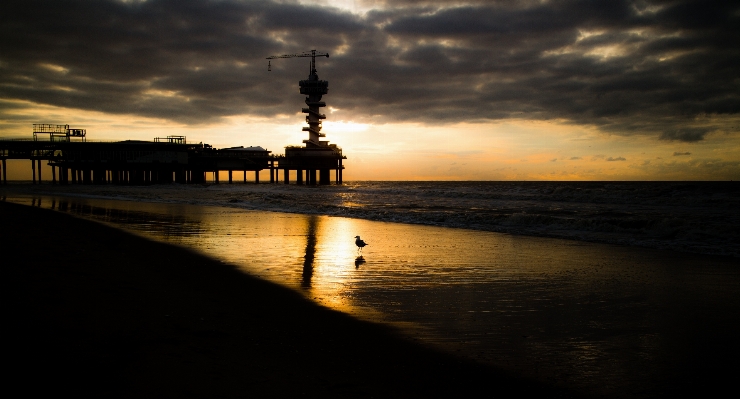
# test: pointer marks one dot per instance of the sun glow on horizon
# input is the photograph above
(496, 150)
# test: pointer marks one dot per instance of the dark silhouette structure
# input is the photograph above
(74, 159)
(316, 155)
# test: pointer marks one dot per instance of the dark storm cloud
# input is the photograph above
(629, 67)
(189, 61)
(685, 134)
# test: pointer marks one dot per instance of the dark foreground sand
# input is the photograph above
(94, 311)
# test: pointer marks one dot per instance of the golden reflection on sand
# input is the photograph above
(312, 254)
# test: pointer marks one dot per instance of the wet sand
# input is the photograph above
(95, 311)
(600, 320)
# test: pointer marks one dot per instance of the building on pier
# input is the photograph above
(58, 132)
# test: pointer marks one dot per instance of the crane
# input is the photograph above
(312, 54)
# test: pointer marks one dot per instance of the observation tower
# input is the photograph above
(314, 88)
(316, 154)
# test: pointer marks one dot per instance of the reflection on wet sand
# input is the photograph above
(312, 221)
(604, 318)
(163, 225)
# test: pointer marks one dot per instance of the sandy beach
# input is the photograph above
(152, 299)
(95, 311)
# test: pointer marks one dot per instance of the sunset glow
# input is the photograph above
(418, 90)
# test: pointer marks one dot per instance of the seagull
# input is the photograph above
(359, 243)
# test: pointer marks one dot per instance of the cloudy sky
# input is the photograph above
(431, 90)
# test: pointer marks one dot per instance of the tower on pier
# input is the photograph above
(314, 88)
(316, 155)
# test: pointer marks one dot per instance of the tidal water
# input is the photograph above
(696, 217)
(603, 319)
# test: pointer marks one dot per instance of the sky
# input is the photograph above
(418, 90)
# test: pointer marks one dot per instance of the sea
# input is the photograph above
(611, 289)
(696, 217)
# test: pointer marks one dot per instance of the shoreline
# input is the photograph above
(640, 223)
(120, 315)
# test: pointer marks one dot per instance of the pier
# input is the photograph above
(75, 160)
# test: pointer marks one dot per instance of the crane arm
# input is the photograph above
(312, 54)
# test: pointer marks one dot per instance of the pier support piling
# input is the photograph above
(324, 177)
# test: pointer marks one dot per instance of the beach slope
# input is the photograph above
(96, 311)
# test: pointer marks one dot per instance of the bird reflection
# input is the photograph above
(310, 251)
(359, 261)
